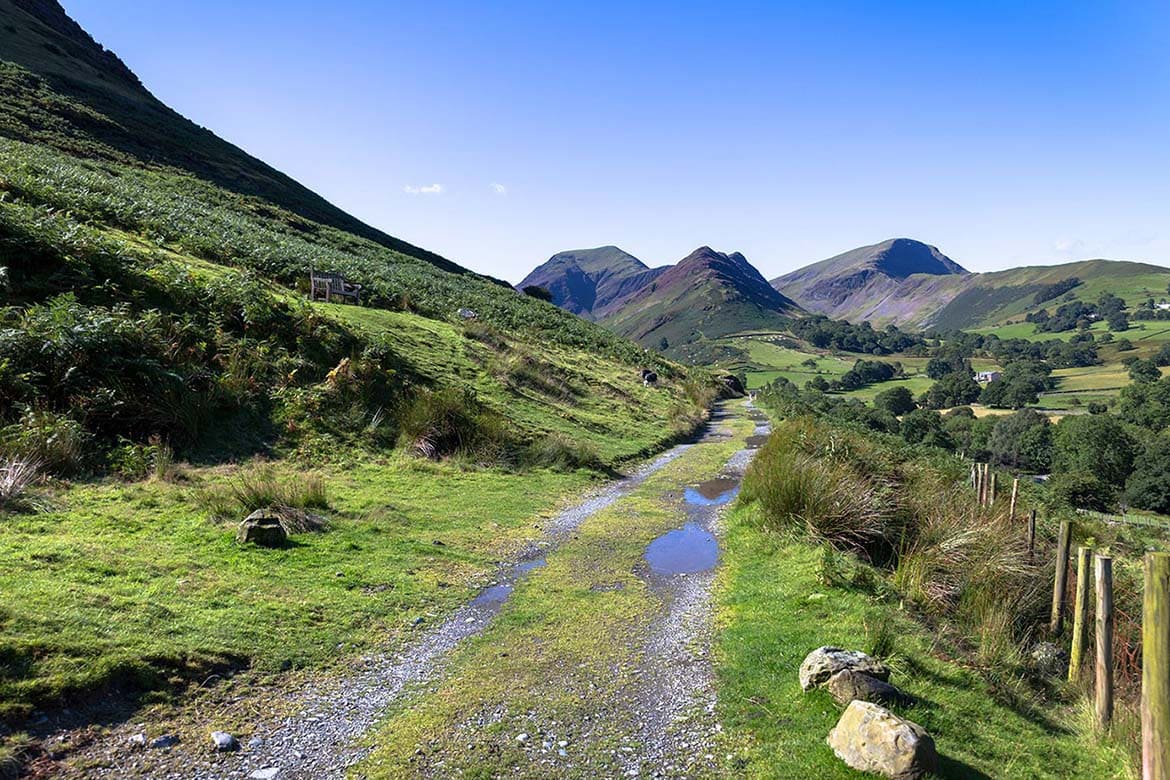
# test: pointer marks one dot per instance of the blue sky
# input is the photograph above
(1006, 133)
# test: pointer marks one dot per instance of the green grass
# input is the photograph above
(768, 624)
(135, 583)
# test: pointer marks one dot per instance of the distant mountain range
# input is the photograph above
(899, 281)
(706, 295)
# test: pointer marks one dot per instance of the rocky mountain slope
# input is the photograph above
(707, 295)
(899, 280)
(588, 282)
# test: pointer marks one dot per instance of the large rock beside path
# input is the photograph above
(824, 662)
(870, 738)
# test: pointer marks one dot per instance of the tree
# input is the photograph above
(663, 344)
(1096, 444)
(923, 426)
(1118, 322)
(955, 389)
(1149, 486)
(1084, 490)
(1146, 404)
(1022, 441)
(1124, 345)
(1144, 371)
(897, 401)
(1163, 356)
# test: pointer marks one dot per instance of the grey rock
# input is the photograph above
(165, 741)
(267, 773)
(224, 741)
(848, 685)
(136, 740)
(824, 662)
(264, 528)
(870, 738)
(1049, 659)
(255, 742)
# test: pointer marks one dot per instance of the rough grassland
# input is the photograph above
(768, 625)
(134, 583)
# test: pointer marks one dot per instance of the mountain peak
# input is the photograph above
(587, 281)
(880, 282)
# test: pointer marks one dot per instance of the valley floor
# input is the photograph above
(585, 660)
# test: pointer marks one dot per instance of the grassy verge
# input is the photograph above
(559, 659)
(768, 624)
(134, 584)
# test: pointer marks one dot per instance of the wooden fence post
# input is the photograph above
(1156, 668)
(1031, 532)
(1061, 578)
(1015, 495)
(991, 496)
(982, 491)
(1104, 572)
(1080, 635)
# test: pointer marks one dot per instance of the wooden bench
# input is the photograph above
(323, 286)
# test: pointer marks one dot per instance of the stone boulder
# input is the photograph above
(870, 738)
(848, 686)
(263, 527)
(824, 662)
(1049, 659)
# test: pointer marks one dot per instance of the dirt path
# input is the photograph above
(649, 707)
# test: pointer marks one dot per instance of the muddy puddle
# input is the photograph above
(495, 594)
(713, 492)
(755, 442)
(684, 550)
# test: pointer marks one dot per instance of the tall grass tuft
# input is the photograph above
(438, 424)
(17, 476)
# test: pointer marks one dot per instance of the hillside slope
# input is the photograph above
(900, 281)
(991, 299)
(150, 270)
(588, 282)
(61, 88)
(707, 295)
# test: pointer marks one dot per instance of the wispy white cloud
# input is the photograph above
(499, 189)
(426, 189)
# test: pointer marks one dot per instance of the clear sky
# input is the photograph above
(499, 133)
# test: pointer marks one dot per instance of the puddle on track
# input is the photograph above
(713, 492)
(685, 550)
(498, 593)
(757, 441)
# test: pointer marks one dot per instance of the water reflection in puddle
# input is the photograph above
(495, 594)
(713, 492)
(684, 550)
(757, 441)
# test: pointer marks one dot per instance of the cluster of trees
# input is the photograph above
(867, 372)
(824, 333)
(1078, 351)
(1079, 314)
(1051, 291)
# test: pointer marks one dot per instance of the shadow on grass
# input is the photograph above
(954, 769)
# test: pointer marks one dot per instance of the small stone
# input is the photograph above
(849, 685)
(817, 597)
(521, 737)
(418, 621)
(438, 543)
(165, 741)
(224, 741)
(824, 662)
(268, 773)
(870, 738)
(264, 528)
(137, 740)
(255, 742)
